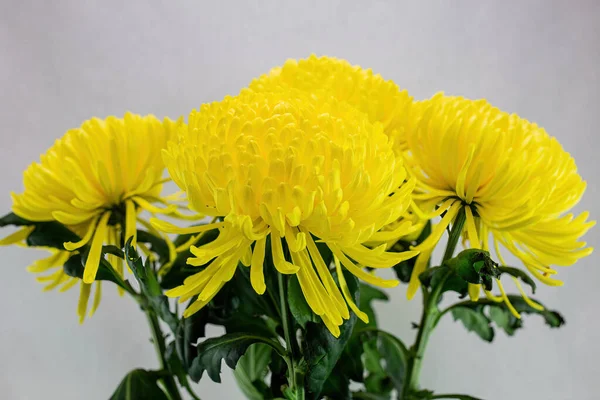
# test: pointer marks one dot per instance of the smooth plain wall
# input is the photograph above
(62, 62)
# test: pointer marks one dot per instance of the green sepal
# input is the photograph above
(469, 266)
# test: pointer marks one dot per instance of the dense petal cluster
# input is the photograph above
(284, 169)
(96, 179)
(382, 101)
(515, 182)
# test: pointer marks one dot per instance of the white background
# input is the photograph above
(63, 62)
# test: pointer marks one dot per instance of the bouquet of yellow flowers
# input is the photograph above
(293, 194)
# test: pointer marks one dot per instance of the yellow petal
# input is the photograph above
(93, 260)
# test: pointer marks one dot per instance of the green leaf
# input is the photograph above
(45, 234)
(157, 244)
(189, 330)
(385, 360)
(174, 364)
(337, 385)
(114, 250)
(252, 369)
(229, 347)
(298, 306)
(248, 301)
(369, 293)
(13, 219)
(361, 395)
(379, 384)
(249, 324)
(501, 315)
(509, 323)
(75, 265)
(475, 321)
(393, 353)
(51, 234)
(519, 273)
(322, 350)
(422, 394)
(350, 362)
(404, 269)
(429, 395)
(146, 277)
(372, 358)
(139, 384)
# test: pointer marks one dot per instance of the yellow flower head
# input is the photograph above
(381, 100)
(515, 182)
(288, 168)
(96, 179)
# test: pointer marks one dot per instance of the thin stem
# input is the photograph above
(159, 347)
(430, 314)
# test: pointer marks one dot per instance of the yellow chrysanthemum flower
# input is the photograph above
(287, 167)
(381, 100)
(514, 181)
(96, 179)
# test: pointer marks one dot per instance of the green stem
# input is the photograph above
(430, 314)
(159, 346)
(289, 356)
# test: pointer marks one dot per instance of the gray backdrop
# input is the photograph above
(63, 62)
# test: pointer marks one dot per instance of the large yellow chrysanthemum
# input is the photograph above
(381, 100)
(96, 179)
(515, 182)
(288, 168)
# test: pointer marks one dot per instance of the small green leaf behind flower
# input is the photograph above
(45, 234)
(478, 316)
(298, 306)
(75, 265)
(139, 384)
